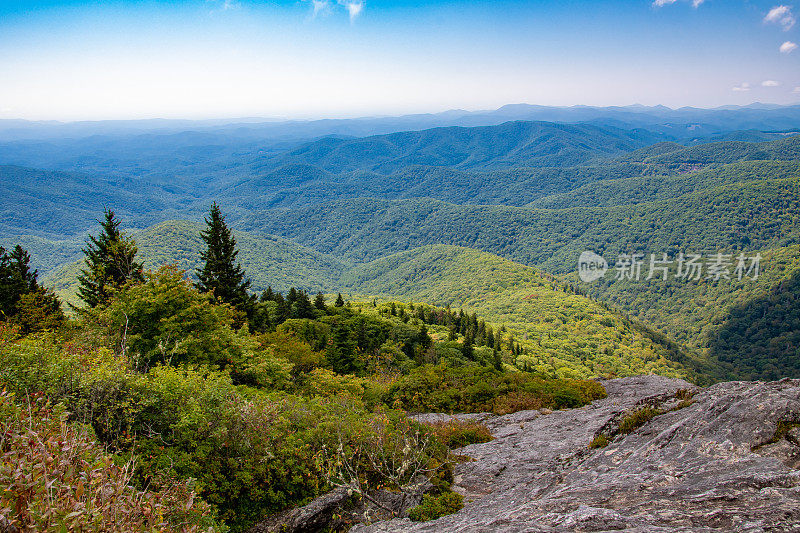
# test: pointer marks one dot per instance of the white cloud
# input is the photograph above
(224, 5)
(662, 3)
(354, 7)
(781, 15)
(744, 87)
(788, 47)
(320, 6)
(770, 83)
(796, 90)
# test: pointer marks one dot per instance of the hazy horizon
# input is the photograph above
(71, 60)
(259, 119)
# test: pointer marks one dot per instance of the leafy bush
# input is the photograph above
(637, 419)
(477, 388)
(459, 433)
(54, 477)
(165, 320)
(433, 507)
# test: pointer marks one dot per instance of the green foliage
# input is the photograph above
(22, 300)
(110, 263)
(38, 310)
(600, 441)
(560, 333)
(472, 389)
(636, 419)
(220, 275)
(433, 507)
(166, 321)
(54, 477)
(760, 338)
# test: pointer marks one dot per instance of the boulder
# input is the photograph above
(722, 458)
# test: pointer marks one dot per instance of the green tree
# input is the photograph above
(22, 300)
(220, 273)
(110, 263)
(20, 270)
(319, 301)
(165, 320)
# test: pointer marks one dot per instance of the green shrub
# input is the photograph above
(433, 507)
(474, 388)
(459, 433)
(54, 477)
(600, 441)
(637, 419)
(165, 320)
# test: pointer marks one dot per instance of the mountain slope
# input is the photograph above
(566, 334)
(533, 144)
(755, 215)
(267, 260)
(617, 192)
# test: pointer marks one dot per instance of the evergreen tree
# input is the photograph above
(220, 273)
(7, 284)
(467, 348)
(282, 310)
(319, 301)
(339, 300)
(302, 308)
(22, 300)
(268, 295)
(110, 263)
(21, 271)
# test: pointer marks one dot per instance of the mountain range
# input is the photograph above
(488, 211)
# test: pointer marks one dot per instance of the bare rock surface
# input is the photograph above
(711, 463)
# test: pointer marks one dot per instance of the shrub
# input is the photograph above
(482, 388)
(433, 507)
(600, 441)
(637, 419)
(165, 320)
(39, 310)
(54, 477)
(459, 433)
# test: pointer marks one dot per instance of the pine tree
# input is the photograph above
(21, 270)
(281, 310)
(319, 301)
(220, 273)
(7, 284)
(301, 308)
(268, 295)
(110, 263)
(339, 301)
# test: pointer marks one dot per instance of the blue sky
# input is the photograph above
(71, 60)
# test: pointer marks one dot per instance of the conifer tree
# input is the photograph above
(220, 273)
(268, 295)
(319, 301)
(21, 270)
(110, 263)
(339, 300)
(301, 308)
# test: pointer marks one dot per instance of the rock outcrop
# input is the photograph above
(723, 460)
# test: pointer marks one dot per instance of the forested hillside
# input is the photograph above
(331, 214)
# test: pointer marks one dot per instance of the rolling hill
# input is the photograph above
(566, 334)
(267, 260)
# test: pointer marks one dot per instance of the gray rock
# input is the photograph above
(708, 466)
(316, 516)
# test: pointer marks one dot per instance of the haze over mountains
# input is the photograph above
(365, 204)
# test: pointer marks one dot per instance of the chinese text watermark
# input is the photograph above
(689, 266)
